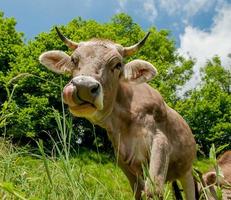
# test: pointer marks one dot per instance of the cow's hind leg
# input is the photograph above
(187, 183)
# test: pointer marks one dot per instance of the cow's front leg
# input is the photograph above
(158, 166)
(136, 182)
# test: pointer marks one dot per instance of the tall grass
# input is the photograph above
(47, 177)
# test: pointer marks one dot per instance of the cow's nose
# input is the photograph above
(87, 89)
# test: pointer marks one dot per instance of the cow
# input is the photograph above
(210, 178)
(146, 134)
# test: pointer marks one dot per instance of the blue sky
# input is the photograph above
(201, 28)
(35, 16)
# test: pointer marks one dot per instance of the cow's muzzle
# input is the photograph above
(83, 92)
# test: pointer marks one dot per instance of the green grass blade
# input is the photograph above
(40, 145)
(8, 187)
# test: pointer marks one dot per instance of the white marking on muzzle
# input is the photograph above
(99, 99)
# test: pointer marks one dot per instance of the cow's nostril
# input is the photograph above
(95, 89)
(73, 82)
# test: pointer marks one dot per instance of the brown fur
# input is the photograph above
(144, 130)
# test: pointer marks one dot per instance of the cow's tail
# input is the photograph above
(177, 191)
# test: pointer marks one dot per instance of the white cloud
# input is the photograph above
(171, 6)
(122, 4)
(150, 9)
(186, 8)
(204, 45)
(192, 7)
(144, 8)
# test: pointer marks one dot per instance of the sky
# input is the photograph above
(201, 28)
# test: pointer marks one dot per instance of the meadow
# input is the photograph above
(85, 175)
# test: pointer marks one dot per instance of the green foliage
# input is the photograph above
(208, 109)
(37, 94)
(29, 93)
(10, 42)
(10, 45)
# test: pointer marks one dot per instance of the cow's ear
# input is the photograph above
(138, 71)
(56, 61)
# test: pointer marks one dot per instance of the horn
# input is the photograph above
(128, 51)
(69, 43)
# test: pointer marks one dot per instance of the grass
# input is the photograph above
(83, 177)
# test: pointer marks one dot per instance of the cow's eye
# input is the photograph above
(118, 66)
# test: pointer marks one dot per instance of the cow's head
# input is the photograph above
(97, 68)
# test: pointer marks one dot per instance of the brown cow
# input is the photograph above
(144, 131)
(210, 178)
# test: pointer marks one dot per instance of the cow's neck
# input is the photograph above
(116, 122)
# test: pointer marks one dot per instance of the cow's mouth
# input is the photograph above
(83, 109)
(83, 105)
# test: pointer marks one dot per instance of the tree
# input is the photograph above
(10, 42)
(38, 92)
(208, 108)
(10, 45)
